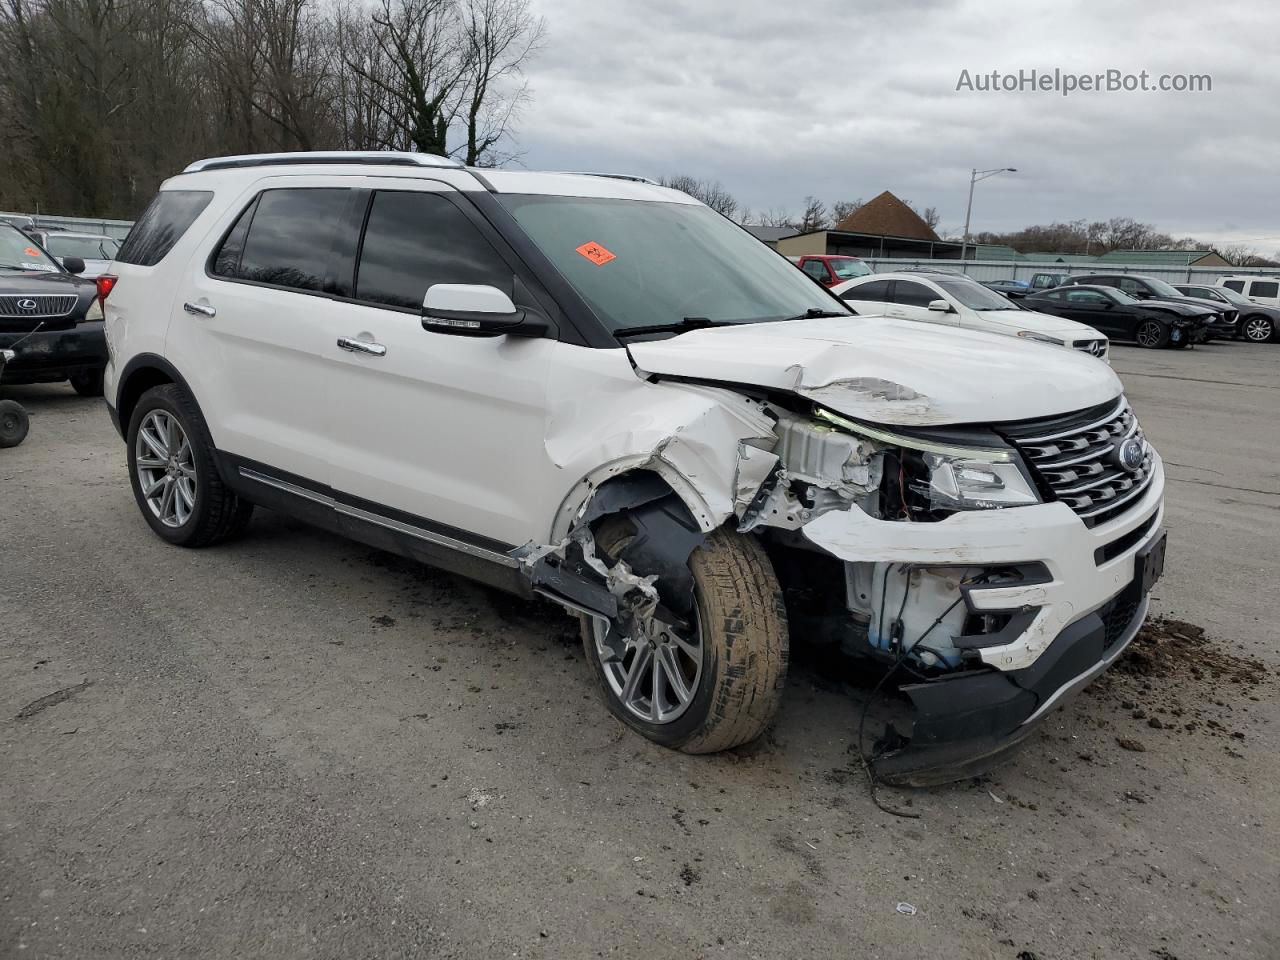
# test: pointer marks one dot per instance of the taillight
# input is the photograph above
(106, 283)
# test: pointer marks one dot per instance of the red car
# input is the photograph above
(829, 270)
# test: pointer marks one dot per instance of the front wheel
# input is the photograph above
(1258, 329)
(1153, 334)
(173, 474)
(711, 682)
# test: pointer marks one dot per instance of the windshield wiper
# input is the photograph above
(815, 313)
(688, 323)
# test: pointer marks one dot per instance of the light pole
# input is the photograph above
(974, 177)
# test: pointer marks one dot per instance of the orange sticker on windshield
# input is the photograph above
(31, 252)
(596, 254)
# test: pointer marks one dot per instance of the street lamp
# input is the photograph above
(974, 177)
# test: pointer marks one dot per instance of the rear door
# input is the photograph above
(871, 297)
(253, 331)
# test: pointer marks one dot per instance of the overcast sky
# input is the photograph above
(845, 98)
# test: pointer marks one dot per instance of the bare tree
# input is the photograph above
(842, 209)
(710, 192)
(500, 36)
(813, 217)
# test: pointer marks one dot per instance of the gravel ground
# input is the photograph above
(292, 746)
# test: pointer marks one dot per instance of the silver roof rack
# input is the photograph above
(611, 176)
(371, 157)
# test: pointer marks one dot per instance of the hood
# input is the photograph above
(1036, 322)
(1185, 308)
(38, 282)
(889, 371)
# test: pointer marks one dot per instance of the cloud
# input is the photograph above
(843, 100)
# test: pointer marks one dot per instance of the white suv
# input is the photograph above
(953, 300)
(600, 391)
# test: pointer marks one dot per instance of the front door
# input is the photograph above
(438, 432)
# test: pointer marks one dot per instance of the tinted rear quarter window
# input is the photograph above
(415, 240)
(876, 290)
(162, 225)
(1236, 285)
(1264, 288)
(286, 240)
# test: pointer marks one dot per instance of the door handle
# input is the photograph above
(200, 309)
(353, 345)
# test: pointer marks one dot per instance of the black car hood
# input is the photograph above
(39, 283)
(1186, 308)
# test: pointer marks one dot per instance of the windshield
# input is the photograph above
(847, 268)
(975, 296)
(1163, 289)
(1119, 296)
(20, 252)
(86, 248)
(641, 262)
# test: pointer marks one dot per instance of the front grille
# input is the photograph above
(1076, 459)
(1097, 348)
(23, 306)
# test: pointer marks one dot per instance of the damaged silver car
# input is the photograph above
(597, 390)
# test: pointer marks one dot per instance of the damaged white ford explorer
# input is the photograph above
(599, 391)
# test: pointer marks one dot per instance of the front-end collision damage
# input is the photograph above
(889, 546)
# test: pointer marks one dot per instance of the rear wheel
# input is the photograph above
(173, 474)
(1152, 334)
(712, 681)
(1258, 329)
(88, 383)
(14, 423)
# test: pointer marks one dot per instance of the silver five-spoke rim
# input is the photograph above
(654, 671)
(1257, 329)
(1149, 334)
(166, 468)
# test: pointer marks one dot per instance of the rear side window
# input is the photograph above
(1264, 288)
(162, 225)
(286, 239)
(414, 240)
(877, 290)
(1236, 285)
(911, 294)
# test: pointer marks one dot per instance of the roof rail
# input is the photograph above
(634, 178)
(371, 157)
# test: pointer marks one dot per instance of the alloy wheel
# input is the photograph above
(655, 668)
(1258, 330)
(1149, 334)
(166, 468)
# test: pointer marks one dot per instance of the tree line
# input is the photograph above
(100, 100)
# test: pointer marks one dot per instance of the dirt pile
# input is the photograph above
(1166, 647)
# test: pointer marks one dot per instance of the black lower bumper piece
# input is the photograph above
(48, 356)
(967, 722)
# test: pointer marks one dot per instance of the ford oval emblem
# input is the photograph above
(27, 304)
(1132, 453)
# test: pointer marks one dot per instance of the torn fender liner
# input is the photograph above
(966, 722)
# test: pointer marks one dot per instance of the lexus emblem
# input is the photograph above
(1131, 454)
(27, 304)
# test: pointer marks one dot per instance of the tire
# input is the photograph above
(1186, 343)
(1257, 329)
(213, 513)
(1152, 334)
(14, 423)
(88, 383)
(744, 647)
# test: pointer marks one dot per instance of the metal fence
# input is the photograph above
(1024, 270)
(108, 228)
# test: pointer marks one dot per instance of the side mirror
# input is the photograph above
(73, 264)
(476, 309)
(940, 306)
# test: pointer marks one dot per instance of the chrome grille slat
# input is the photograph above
(1078, 463)
(46, 305)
